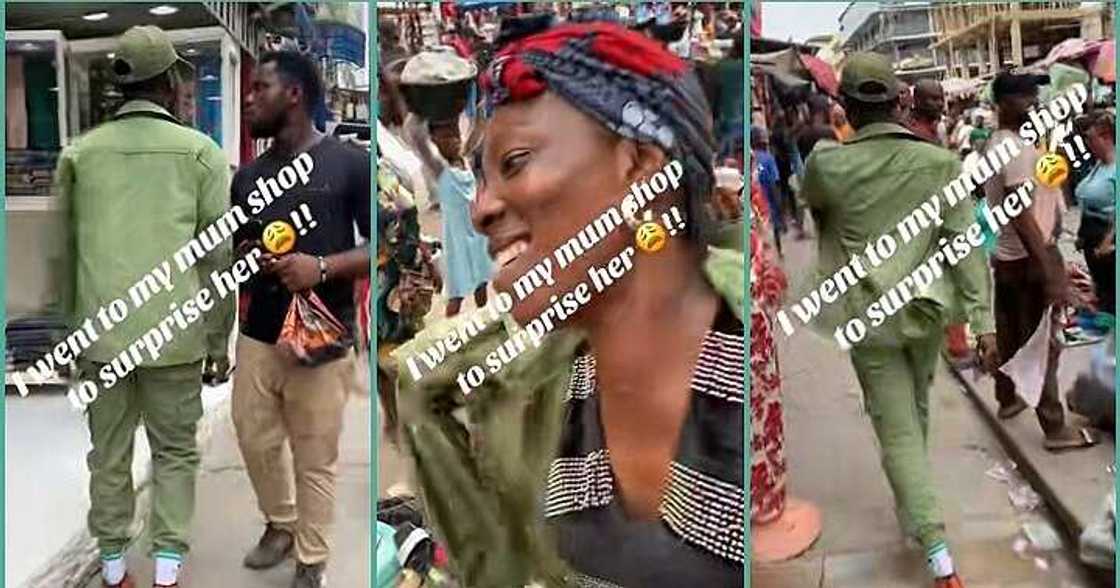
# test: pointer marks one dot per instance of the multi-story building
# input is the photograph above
(977, 39)
(902, 31)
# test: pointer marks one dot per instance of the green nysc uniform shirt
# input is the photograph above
(136, 190)
(482, 460)
(860, 190)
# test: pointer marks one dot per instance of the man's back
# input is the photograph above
(139, 188)
(870, 183)
(860, 191)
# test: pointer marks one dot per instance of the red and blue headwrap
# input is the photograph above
(626, 81)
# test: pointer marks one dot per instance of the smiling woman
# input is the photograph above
(612, 454)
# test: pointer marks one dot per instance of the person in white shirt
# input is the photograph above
(962, 139)
(1029, 271)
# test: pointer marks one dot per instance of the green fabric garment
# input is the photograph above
(859, 191)
(169, 402)
(895, 383)
(729, 104)
(482, 470)
(729, 235)
(1062, 78)
(137, 189)
(42, 104)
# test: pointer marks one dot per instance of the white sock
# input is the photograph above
(167, 569)
(113, 569)
(940, 564)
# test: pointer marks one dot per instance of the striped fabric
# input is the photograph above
(705, 511)
(582, 581)
(719, 371)
(577, 483)
(702, 505)
(583, 378)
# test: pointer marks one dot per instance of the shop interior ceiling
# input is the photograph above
(67, 17)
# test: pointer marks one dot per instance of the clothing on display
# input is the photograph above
(208, 96)
(42, 104)
(99, 97)
(16, 113)
(31, 124)
(29, 339)
(29, 173)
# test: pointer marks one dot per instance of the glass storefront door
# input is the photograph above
(209, 102)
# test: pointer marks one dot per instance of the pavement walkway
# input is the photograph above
(1074, 483)
(227, 522)
(46, 486)
(834, 462)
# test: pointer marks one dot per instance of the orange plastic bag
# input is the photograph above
(311, 334)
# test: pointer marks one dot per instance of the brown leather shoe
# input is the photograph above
(126, 582)
(274, 546)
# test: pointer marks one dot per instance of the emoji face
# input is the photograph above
(650, 237)
(279, 237)
(1051, 170)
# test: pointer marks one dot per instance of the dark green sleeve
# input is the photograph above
(481, 460)
(969, 275)
(67, 228)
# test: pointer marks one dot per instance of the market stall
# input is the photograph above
(93, 97)
(779, 77)
(36, 130)
(59, 86)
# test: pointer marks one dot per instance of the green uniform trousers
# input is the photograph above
(169, 401)
(896, 382)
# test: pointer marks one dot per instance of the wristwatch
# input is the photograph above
(322, 269)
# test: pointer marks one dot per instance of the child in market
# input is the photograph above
(468, 264)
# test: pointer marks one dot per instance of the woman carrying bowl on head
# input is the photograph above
(612, 454)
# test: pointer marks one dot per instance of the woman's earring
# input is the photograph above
(650, 236)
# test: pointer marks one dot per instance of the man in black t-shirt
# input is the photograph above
(275, 398)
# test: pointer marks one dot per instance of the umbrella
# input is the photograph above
(1104, 64)
(822, 73)
(783, 67)
(784, 59)
(1069, 49)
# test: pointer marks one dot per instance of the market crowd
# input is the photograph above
(846, 167)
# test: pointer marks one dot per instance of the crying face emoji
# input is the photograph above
(1051, 170)
(650, 237)
(279, 237)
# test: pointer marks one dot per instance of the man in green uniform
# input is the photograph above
(859, 191)
(138, 188)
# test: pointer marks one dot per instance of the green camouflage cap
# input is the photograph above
(868, 77)
(144, 52)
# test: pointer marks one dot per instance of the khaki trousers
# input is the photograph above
(276, 399)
